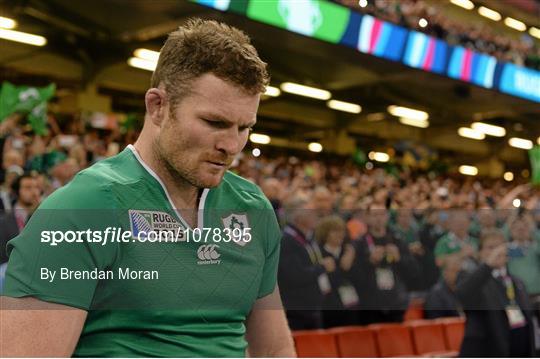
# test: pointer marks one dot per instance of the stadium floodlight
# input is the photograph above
(515, 24)
(146, 54)
(491, 130)
(142, 63)
(379, 156)
(259, 138)
(7, 23)
(468, 170)
(256, 152)
(522, 143)
(471, 133)
(414, 122)
(344, 106)
(400, 111)
(508, 176)
(272, 91)
(490, 14)
(534, 31)
(466, 4)
(315, 147)
(306, 91)
(23, 37)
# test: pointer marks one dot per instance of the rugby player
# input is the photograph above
(213, 299)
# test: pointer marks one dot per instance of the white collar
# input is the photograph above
(202, 200)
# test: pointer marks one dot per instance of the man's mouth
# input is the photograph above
(219, 164)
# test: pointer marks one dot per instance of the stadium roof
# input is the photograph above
(89, 44)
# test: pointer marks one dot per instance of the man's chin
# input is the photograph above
(211, 181)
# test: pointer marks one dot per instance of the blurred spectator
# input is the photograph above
(7, 197)
(485, 219)
(441, 300)
(28, 197)
(457, 240)
(382, 265)
(523, 50)
(524, 252)
(430, 233)
(330, 233)
(302, 277)
(271, 188)
(499, 321)
(323, 201)
(406, 229)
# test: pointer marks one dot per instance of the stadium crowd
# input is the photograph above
(357, 245)
(471, 35)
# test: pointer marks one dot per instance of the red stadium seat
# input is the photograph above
(454, 330)
(315, 344)
(393, 340)
(428, 338)
(355, 342)
(415, 310)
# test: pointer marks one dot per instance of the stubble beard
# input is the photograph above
(177, 169)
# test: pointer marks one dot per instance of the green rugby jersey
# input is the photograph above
(204, 290)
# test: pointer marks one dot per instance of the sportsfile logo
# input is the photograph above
(144, 222)
(208, 254)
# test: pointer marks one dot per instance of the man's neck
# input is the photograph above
(183, 194)
(304, 230)
(19, 205)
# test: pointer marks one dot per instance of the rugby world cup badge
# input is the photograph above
(147, 224)
(238, 225)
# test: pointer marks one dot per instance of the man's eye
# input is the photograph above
(217, 124)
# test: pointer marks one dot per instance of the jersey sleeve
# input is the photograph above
(74, 211)
(271, 263)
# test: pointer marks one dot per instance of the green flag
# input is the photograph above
(534, 156)
(31, 101)
(359, 157)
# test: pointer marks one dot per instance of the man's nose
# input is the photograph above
(230, 142)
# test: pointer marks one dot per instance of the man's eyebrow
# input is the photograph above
(215, 116)
(221, 118)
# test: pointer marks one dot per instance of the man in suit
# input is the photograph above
(441, 300)
(28, 194)
(499, 321)
(382, 267)
(302, 277)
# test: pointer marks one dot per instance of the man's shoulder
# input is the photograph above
(91, 187)
(240, 183)
(241, 189)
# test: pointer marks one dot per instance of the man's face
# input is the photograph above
(487, 218)
(452, 267)
(521, 230)
(459, 222)
(490, 245)
(29, 192)
(199, 138)
(323, 201)
(377, 217)
(404, 217)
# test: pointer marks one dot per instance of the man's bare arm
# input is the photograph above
(32, 328)
(268, 333)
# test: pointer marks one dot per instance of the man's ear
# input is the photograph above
(156, 105)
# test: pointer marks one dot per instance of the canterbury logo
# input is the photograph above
(207, 253)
